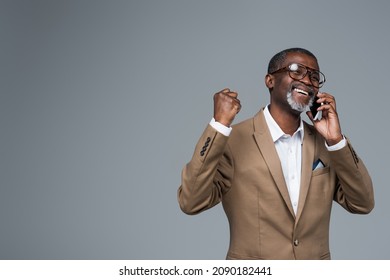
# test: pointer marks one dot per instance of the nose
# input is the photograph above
(306, 80)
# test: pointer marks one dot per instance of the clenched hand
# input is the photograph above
(226, 106)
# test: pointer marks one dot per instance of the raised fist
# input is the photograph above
(226, 106)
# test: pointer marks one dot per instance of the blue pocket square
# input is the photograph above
(318, 164)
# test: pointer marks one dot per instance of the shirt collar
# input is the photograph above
(276, 131)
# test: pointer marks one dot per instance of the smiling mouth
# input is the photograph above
(303, 92)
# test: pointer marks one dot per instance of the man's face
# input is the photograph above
(290, 94)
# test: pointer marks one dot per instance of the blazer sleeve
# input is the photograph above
(208, 175)
(354, 190)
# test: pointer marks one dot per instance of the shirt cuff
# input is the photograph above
(220, 127)
(337, 146)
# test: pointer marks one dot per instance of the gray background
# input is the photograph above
(102, 102)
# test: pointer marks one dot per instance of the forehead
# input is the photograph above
(302, 58)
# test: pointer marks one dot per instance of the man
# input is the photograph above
(275, 174)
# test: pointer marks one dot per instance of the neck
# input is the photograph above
(287, 121)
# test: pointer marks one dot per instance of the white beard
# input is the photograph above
(298, 106)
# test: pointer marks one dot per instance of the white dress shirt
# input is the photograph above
(289, 149)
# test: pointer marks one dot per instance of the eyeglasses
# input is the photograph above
(298, 72)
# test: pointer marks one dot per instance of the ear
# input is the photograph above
(269, 81)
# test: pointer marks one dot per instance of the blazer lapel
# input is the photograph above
(267, 148)
(308, 149)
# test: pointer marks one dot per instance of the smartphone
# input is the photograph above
(316, 114)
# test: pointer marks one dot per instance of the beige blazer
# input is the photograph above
(244, 172)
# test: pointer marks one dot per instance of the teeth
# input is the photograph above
(301, 91)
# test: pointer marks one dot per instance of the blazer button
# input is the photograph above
(296, 242)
